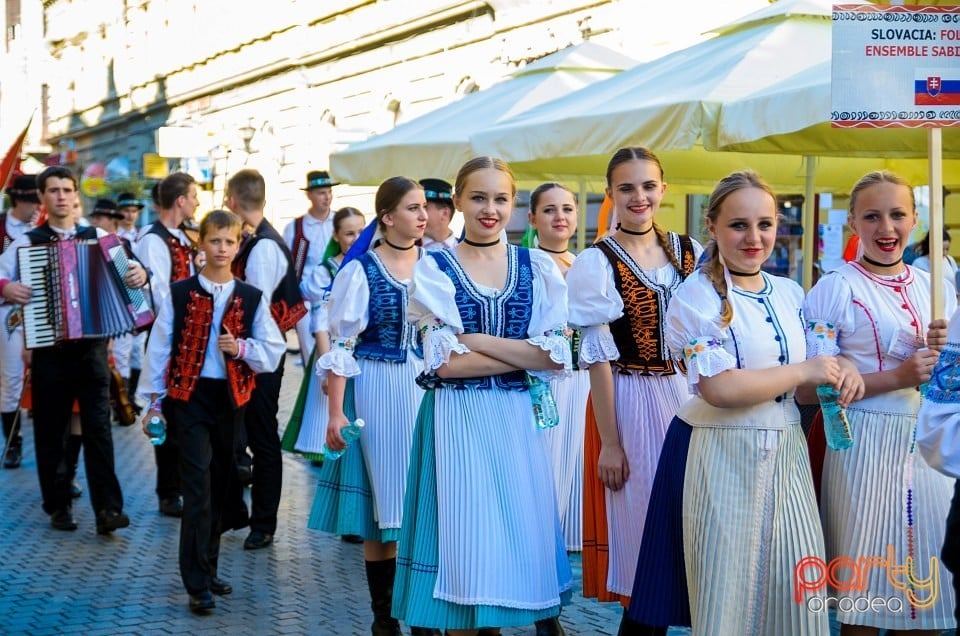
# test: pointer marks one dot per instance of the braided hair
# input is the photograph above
(639, 153)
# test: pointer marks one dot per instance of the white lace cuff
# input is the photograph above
(597, 345)
(705, 356)
(339, 359)
(558, 346)
(821, 339)
(439, 342)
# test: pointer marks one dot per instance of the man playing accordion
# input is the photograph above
(69, 370)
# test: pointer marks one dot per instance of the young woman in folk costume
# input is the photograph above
(619, 293)
(481, 544)
(307, 428)
(553, 217)
(371, 368)
(880, 499)
(734, 477)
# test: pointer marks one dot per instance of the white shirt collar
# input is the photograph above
(217, 289)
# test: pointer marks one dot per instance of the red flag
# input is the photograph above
(11, 161)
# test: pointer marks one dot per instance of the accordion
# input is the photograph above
(79, 292)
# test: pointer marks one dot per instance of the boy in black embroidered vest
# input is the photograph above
(167, 252)
(67, 371)
(212, 334)
(264, 262)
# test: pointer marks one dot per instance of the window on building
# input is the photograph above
(12, 21)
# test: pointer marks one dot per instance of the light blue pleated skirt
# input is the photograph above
(362, 492)
(343, 503)
(481, 543)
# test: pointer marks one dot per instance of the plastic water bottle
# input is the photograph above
(544, 406)
(836, 427)
(349, 433)
(157, 431)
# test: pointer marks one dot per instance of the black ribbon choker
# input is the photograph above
(626, 231)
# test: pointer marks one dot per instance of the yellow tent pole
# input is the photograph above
(810, 234)
(935, 152)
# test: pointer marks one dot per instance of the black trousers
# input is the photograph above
(260, 423)
(950, 554)
(207, 428)
(167, 456)
(74, 370)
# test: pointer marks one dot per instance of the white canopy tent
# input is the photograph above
(761, 86)
(437, 144)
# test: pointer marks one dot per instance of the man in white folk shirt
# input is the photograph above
(68, 371)
(169, 255)
(13, 225)
(128, 349)
(307, 237)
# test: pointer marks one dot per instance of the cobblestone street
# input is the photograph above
(54, 582)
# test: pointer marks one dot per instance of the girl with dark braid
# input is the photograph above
(619, 293)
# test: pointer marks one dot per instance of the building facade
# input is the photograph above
(279, 86)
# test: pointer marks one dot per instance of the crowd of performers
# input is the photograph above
(679, 467)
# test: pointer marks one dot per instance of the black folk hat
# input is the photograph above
(106, 207)
(24, 188)
(437, 190)
(319, 179)
(127, 199)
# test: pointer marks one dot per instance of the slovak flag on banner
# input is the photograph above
(936, 87)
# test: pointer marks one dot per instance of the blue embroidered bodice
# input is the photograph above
(505, 314)
(388, 334)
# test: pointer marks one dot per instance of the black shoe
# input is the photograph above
(245, 474)
(63, 520)
(220, 587)
(256, 540)
(110, 520)
(202, 602)
(351, 538)
(171, 507)
(14, 456)
(75, 490)
(425, 631)
(549, 627)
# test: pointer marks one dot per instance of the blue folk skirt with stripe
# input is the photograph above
(362, 492)
(659, 595)
(565, 449)
(749, 517)
(881, 499)
(481, 543)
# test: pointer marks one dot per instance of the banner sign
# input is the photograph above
(895, 66)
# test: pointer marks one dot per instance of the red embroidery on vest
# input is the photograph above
(180, 257)
(239, 375)
(300, 247)
(286, 317)
(5, 238)
(184, 370)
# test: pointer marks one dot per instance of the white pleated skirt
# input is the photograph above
(316, 414)
(386, 397)
(644, 406)
(749, 516)
(565, 448)
(880, 498)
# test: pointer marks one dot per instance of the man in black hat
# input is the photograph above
(307, 237)
(129, 207)
(13, 225)
(128, 349)
(439, 195)
(105, 216)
